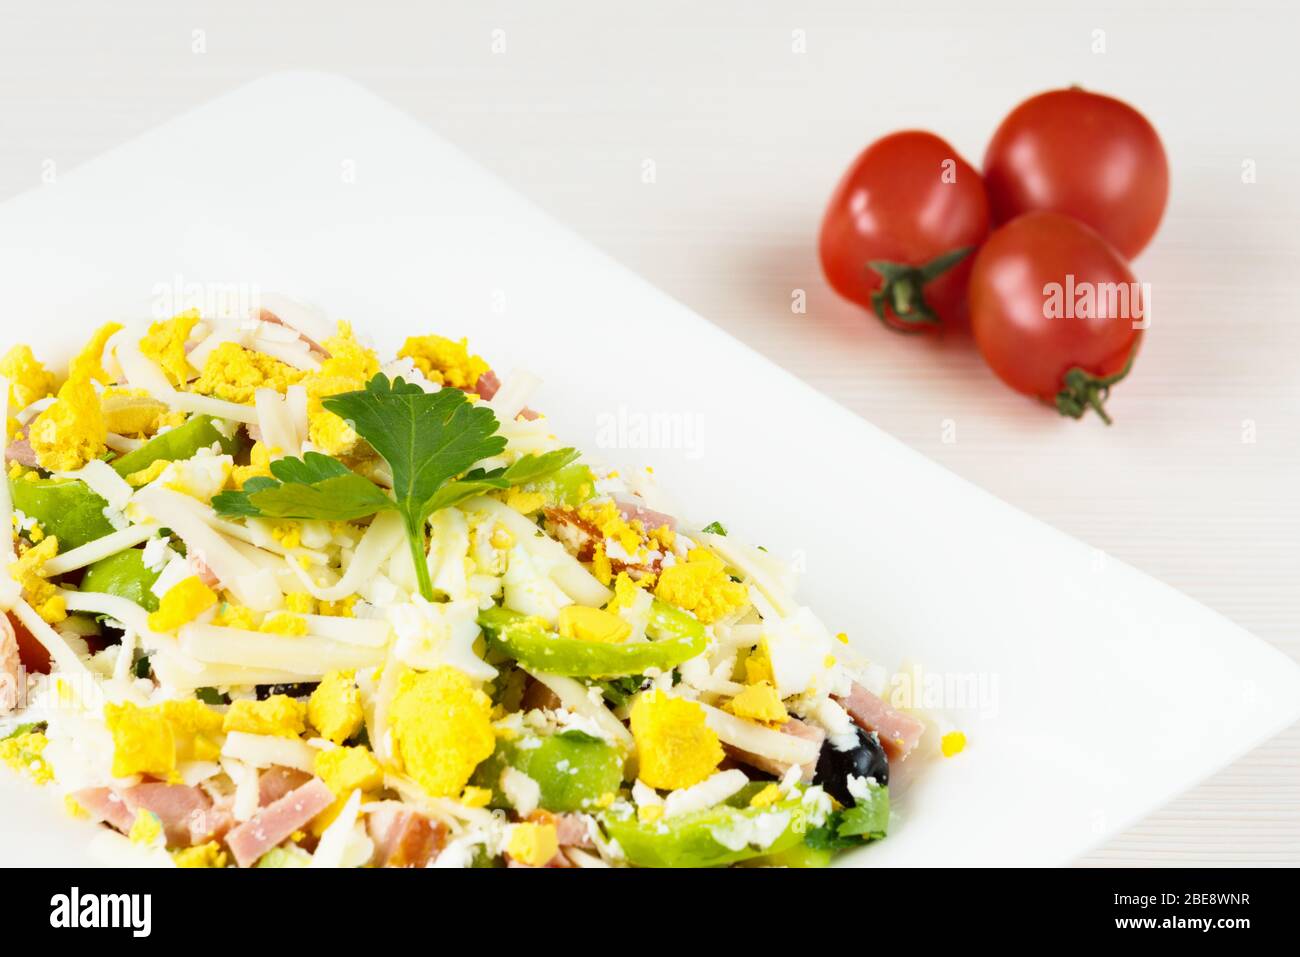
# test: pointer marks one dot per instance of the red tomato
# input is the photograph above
(1053, 309)
(1087, 155)
(899, 230)
(30, 651)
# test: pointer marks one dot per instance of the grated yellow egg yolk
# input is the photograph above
(442, 728)
(259, 465)
(334, 708)
(234, 373)
(766, 797)
(676, 746)
(279, 716)
(700, 585)
(759, 702)
(24, 754)
(444, 361)
(146, 829)
(71, 431)
(345, 770)
(28, 380)
(533, 844)
(184, 602)
(89, 362)
(201, 855)
(196, 729)
(231, 615)
(284, 623)
(143, 741)
(40, 594)
(164, 343)
(349, 367)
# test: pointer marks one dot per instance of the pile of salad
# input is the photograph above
(272, 601)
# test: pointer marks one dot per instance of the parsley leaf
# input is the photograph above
(867, 820)
(427, 439)
(312, 487)
(715, 528)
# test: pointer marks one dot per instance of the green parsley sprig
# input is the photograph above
(429, 440)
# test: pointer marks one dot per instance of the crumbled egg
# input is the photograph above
(182, 603)
(442, 728)
(592, 624)
(277, 716)
(701, 585)
(533, 844)
(334, 708)
(444, 361)
(234, 373)
(24, 753)
(676, 746)
(146, 829)
(71, 432)
(43, 596)
(201, 855)
(28, 380)
(759, 702)
(430, 634)
(345, 770)
(143, 741)
(164, 343)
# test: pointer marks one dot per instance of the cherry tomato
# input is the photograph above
(1055, 311)
(30, 651)
(900, 228)
(1087, 155)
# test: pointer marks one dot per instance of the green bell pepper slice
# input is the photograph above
(573, 770)
(568, 487)
(65, 508)
(123, 574)
(705, 838)
(527, 640)
(196, 432)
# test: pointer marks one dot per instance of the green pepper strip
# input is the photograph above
(524, 638)
(182, 442)
(692, 839)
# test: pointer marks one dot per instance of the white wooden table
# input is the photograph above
(746, 114)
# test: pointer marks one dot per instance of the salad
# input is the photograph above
(274, 601)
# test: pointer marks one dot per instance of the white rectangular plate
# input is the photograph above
(1104, 693)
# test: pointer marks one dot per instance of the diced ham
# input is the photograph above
(404, 838)
(530, 415)
(795, 728)
(187, 813)
(279, 819)
(201, 569)
(899, 733)
(573, 830)
(579, 536)
(11, 671)
(487, 385)
(104, 805)
(21, 451)
(277, 781)
(648, 517)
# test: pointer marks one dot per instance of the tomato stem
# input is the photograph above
(902, 289)
(1084, 391)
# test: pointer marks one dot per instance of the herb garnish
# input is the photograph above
(427, 439)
